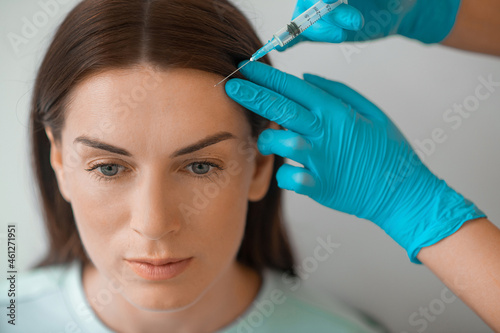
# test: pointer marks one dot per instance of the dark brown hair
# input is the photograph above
(99, 35)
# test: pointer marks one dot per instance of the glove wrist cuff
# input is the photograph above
(440, 215)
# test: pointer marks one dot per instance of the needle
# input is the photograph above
(227, 77)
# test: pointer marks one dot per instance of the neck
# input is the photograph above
(221, 305)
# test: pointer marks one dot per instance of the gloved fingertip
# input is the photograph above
(265, 140)
(232, 86)
(358, 21)
(285, 183)
(240, 90)
(346, 17)
(293, 179)
(309, 77)
(329, 34)
(264, 149)
(281, 48)
(305, 180)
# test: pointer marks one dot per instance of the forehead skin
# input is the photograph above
(152, 112)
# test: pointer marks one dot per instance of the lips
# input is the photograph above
(159, 269)
(157, 262)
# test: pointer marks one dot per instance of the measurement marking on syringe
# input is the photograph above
(317, 12)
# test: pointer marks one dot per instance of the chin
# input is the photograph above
(158, 298)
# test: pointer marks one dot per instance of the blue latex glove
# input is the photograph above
(428, 21)
(355, 159)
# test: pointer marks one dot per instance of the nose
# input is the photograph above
(154, 213)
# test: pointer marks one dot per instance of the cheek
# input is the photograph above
(223, 193)
(99, 213)
(216, 210)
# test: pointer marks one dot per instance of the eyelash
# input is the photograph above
(208, 175)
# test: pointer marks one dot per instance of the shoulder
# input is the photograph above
(35, 300)
(282, 305)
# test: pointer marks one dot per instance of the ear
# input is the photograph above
(56, 161)
(262, 174)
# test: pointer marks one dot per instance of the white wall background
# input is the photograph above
(413, 83)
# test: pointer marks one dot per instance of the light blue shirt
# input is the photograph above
(52, 300)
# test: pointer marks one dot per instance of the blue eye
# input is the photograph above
(106, 171)
(200, 168)
(109, 170)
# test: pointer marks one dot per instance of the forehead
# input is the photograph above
(142, 107)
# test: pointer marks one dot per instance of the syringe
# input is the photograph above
(292, 30)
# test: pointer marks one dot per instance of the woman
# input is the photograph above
(162, 216)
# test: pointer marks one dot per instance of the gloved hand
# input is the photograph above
(355, 159)
(428, 21)
(332, 27)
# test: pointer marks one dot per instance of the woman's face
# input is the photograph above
(159, 164)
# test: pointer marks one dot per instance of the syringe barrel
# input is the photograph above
(296, 27)
(284, 36)
(304, 21)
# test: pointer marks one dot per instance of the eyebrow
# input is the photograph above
(208, 141)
